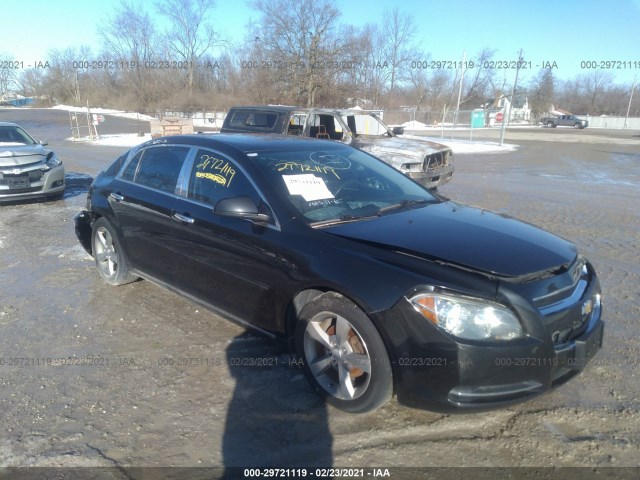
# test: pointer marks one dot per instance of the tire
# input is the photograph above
(343, 354)
(108, 254)
(577, 125)
(550, 124)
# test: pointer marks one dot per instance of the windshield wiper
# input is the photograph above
(401, 205)
(352, 218)
(342, 219)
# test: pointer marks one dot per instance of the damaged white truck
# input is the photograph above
(428, 163)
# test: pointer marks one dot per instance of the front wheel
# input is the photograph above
(577, 125)
(343, 354)
(108, 254)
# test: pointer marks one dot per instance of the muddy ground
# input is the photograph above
(93, 375)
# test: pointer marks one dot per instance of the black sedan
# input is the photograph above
(379, 286)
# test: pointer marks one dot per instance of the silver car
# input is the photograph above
(27, 168)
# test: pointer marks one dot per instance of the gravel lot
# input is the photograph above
(134, 376)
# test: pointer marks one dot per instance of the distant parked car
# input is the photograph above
(379, 285)
(27, 168)
(564, 121)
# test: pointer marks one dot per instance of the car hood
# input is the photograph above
(13, 154)
(395, 146)
(465, 236)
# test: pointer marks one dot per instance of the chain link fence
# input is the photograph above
(464, 125)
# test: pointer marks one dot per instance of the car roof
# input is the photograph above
(270, 108)
(288, 108)
(9, 124)
(249, 142)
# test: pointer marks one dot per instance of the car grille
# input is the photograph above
(568, 311)
(23, 182)
(564, 297)
(33, 175)
(438, 159)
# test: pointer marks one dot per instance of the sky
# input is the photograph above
(575, 36)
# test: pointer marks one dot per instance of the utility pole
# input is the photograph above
(464, 57)
(633, 86)
(505, 121)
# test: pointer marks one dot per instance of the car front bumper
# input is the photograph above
(83, 222)
(434, 177)
(434, 371)
(31, 184)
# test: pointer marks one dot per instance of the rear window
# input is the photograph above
(159, 167)
(115, 167)
(252, 119)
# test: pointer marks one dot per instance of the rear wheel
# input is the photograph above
(108, 254)
(550, 124)
(343, 354)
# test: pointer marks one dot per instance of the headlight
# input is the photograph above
(53, 160)
(468, 318)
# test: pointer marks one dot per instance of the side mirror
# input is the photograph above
(240, 207)
(398, 130)
(43, 143)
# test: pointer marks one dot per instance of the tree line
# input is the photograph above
(298, 53)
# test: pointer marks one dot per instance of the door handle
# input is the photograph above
(116, 196)
(183, 218)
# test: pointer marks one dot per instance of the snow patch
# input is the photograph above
(104, 111)
(464, 146)
(115, 140)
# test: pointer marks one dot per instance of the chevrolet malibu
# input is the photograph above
(27, 169)
(379, 286)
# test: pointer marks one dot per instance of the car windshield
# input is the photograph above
(11, 135)
(339, 185)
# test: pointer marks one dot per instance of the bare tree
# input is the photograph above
(7, 74)
(431, 89)
(191, 35)
(595, 84)
(128, 37)
(363, 74)
(303, 35)
(65, 77)
(396, 42)
(378, 67)
(31, 81)
(481, 82)
(293, 53)
(569, 95)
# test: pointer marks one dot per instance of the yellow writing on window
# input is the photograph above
(225, 171)
(282, 166)
(214, 177)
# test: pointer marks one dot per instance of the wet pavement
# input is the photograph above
(94, 375)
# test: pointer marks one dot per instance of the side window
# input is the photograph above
(160, 167)
(257, 119)
(130, 171)
(296, 124)
(214, 177)
(325, 126)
